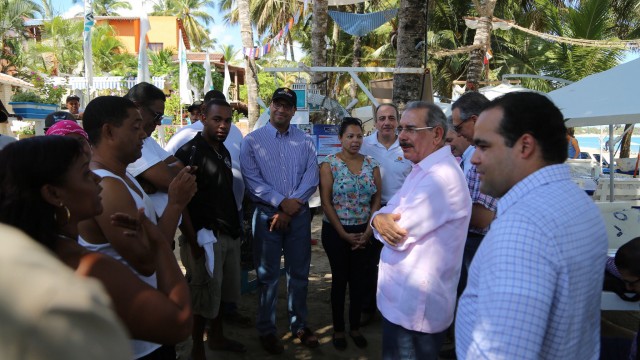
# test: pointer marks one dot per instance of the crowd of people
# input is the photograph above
(463, 225)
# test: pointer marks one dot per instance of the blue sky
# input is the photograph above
(227, 35)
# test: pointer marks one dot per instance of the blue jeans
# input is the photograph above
(470, 248)
(295, 243)
(400, 343)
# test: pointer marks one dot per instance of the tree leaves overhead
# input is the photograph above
(195, 17)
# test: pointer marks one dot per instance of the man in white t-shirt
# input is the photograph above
(156, 168)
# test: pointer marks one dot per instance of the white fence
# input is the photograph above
(110, 83)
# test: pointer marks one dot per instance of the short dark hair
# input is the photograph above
(527, 112)
(144, 93)
(347, 121)
(27, 165)
(105, 110)
(628, 257)
(214, 94)
(387, 104)
(470, 103)
(213, 102)
(197, 105)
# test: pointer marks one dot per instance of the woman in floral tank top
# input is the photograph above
(350, 189)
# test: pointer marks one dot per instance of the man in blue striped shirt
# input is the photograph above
(535, 283)
(280, 170)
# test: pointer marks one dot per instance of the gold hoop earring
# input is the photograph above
(67, 214)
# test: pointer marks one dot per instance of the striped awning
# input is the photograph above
(361, 24)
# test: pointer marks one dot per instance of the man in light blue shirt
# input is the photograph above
(280, 170)
(535, 283)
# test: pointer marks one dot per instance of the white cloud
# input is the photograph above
(136, 8)
(73, 11)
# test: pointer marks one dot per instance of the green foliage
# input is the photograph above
(193, 14)
(29, 129)
(267, 87)
(172, 108)
(161, 62)
(109, 56)
(45, 93)
(60, 50)
(27, 96)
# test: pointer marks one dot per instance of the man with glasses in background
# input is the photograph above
(383, 146)
(156, 168)
(280, 170)
(423, 230)
(464, 113)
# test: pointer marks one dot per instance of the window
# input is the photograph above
(155, 46)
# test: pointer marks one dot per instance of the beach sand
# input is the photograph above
(319, 318)
(615, 323)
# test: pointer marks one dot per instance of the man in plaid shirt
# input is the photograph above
(464, 113)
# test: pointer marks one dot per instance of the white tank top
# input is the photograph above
(140, 348)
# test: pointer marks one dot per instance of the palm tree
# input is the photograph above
(269, 16)
(107, 7)
(109, 55)
(192, 13)
(229, 53)
(318, 32)
(12, 15)
(411, 29)
(162, 62)
(47, 6)
(60, 52)
(251, 77)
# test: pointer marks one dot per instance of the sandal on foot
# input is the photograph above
(359, 340)
(307, 338)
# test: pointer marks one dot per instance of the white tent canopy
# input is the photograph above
(492, 92)
(601, 99)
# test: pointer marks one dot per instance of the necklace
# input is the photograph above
(217, 153)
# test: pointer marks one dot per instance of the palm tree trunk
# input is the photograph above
(318, 32)
(625, 147)
(411, 31)
(357, 54)
(290, 41)
(251, 75)
(482, 37)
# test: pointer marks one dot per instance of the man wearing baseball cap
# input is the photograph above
(280, 170)
(73, 105)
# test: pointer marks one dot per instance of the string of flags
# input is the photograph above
(259, 51)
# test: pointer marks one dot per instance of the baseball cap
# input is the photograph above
(285, 94)
(54, 117)
(72, 97)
